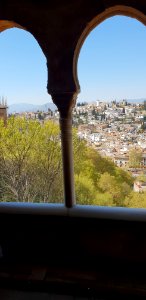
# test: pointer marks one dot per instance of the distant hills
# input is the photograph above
(27, 107)
(136, 100)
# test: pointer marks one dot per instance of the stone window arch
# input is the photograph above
(109, 12)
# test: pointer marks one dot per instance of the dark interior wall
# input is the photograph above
(24, 295)
(72, 254)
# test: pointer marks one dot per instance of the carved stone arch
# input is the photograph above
(109, 12)
(5, 24)
(62, 90)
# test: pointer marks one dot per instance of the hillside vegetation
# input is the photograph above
(31, 168)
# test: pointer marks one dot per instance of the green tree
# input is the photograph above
(85, 191)
(135, 158)
(136, 200)
(109, 184)
(104, 199)
(30, 161)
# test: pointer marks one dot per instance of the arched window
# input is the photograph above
(30, 156)
(109, 114)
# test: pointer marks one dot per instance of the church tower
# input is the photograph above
(3, 110)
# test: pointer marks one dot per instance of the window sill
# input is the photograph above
(84, 211)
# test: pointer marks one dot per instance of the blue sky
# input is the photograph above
(111, 65)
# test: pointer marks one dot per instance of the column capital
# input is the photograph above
(65, 102)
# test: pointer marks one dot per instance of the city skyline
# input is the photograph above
(111, 64)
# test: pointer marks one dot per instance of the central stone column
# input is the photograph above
(65, 102)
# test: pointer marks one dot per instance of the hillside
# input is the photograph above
(27, 107)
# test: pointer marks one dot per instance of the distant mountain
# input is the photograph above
(141, 100)
(27, 107)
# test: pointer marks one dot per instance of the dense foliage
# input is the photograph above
(31, 168)
(30, 161)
